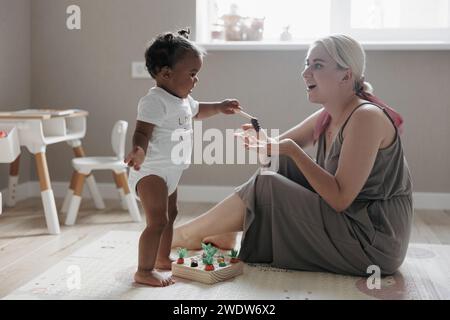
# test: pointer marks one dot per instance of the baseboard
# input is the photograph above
(186, 193)
(24, 190)
(431, 201)
(189, 193)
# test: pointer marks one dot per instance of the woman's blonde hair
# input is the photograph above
(348, 54)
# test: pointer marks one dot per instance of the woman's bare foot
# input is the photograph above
(179, 240)
(226, 241)
(164, 263)
(153, 278)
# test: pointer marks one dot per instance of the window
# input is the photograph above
(300, 21)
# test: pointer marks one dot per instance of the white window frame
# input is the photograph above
(418, 39)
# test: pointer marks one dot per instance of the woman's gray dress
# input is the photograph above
(289, 225)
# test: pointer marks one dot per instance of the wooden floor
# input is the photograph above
(27, 251)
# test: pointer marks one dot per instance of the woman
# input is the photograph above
(350, 209)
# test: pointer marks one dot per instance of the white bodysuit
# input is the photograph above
(169, 150)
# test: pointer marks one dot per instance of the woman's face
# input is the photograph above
(323, 78)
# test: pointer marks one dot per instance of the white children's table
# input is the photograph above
(37, 128)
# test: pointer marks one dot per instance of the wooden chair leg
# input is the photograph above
(74, 205)
(95, 193)
(78, 151)
(48, 199)
(129, 197)
(69, 194)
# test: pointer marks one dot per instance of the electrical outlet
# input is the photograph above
(139, 70)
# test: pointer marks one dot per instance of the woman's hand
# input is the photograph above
(229, 106)
(263, 144)
(272, 147)
(135, 158)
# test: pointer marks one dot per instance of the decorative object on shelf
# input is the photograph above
(239, 28)
(253, 29)
(286, 35)
(232, 23)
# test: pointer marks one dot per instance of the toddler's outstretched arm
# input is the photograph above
(209, 109)
(141, 137)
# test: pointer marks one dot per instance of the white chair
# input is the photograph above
(9, 151)
(85, 165)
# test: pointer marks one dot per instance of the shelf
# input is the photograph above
(293, 46)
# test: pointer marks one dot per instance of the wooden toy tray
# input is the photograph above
(199, 273)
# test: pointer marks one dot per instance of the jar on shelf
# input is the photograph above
(217, 32)
(255, 31)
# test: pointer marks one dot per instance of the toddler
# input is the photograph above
(174, 62)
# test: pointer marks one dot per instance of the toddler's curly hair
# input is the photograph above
(168, 49)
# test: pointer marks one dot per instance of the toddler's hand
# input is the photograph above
(135, 158)
(229, 106)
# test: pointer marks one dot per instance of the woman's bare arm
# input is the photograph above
(303, 133)
(364, 134)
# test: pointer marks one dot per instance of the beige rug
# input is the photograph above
(104, 270)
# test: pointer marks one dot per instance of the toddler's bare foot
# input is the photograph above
(180, 240)
(226, 241)
(164, 263)
(153, 278)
